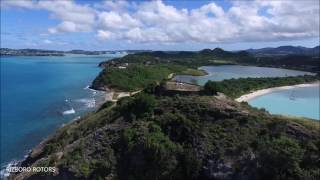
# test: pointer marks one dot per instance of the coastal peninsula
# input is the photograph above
(160, 90)
(167, 129)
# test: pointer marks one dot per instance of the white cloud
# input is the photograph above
(51, 42)
(157, 13)
(69, 26)
(114, 5)
(47, 41)
(104, 35)
(116, 21)
(155, 21)
(20, 3)
(209, 9)
(74, 17)
(69, 11)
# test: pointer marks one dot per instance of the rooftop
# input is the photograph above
(179, 86)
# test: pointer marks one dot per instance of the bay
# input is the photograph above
(219, 73)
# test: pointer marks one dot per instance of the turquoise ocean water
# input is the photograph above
(305, 103)
(296, 102)
(39, 94)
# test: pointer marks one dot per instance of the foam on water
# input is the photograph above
(87, 87)
(4, 170)
(70, 111)
(88, 102)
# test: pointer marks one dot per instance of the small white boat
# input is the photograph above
(292, 96)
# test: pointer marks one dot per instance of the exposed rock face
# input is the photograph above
(189, 137)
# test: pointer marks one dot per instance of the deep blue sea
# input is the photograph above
(295, 102)
(39, 94)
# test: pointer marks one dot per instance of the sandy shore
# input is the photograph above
(255, 94)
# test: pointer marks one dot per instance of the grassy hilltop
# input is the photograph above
(136, 77)
(152, 135)
(190, 137)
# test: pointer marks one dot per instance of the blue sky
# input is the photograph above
(158, 25)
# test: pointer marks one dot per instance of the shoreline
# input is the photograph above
(261, 92)
(105, 93)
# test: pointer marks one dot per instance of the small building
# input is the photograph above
(181, 88)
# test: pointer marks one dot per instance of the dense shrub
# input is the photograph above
(143, 104)
(137, 107)
(147, 154)
(237, 87)
(177, 127)
(211, 88)
(280, 158)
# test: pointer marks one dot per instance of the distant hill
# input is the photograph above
(29, 52)
(43, 52)
(286, 50)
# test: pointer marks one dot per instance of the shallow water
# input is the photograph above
(219, 73)
(306, 102)
(39, 94)
(302, 101)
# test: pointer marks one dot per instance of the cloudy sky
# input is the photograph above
(158, 25)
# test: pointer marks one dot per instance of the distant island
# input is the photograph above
(286, 50)
(290, 57)
(156, 128)
(135, 71)
(41, 52)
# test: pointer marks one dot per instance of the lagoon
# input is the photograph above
(219, 73)
(305, 103)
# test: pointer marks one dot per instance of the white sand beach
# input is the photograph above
(250, 96)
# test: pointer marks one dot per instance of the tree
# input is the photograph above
(280, 158)
(211, 88)
(143, 104)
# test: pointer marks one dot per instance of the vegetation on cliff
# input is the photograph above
(189, 137)
(136, 77)
(134, 71)
(184, 58)
(151, 135)
(219, 56)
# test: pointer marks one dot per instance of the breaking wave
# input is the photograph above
(70, 111)
(89, 102)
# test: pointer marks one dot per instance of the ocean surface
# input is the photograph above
(39, 94)
(219, 73)
(303, 101)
